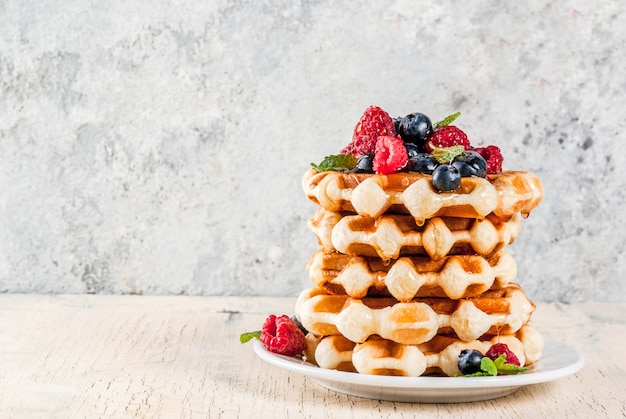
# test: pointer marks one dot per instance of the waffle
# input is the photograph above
(454, 276)
(502, 311)
(438, 356)
(391, 236)
(504, 194)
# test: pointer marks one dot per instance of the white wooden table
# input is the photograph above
(159, 356)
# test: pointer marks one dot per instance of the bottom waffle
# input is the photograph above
(439, 356)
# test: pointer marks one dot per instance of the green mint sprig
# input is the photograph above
(337, 162)
(446, 154)
(248, 336)
(447, 120)
(488, 367)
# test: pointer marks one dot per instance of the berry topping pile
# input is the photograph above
(499, 359)
(385, 145)
(280, 335)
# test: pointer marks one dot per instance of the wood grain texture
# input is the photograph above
(157, 356)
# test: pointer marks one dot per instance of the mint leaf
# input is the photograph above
(447, 120)
(487, 365)
(510, 369)
(500, 361)
(248, 336)
(478, 374)
(336, 162)
(446, 154)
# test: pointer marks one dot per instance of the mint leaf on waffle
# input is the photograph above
(337, 162)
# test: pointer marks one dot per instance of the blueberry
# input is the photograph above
(412, 149)
(469, 361)
(297, 322)
(415, 128)
(422, 163)
(446, 178)
(364, 164)
(470, 163)
(396, 123)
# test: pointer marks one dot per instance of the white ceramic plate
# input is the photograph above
(557, 361)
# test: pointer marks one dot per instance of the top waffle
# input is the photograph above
(504, 194)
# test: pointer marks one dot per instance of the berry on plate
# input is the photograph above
(469, 361)
(281, 335)
(390, 155)
(498, 349)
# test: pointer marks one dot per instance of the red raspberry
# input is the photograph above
(447, 136)
(501, 348)
(493, 157)
(374, 123)
(390, 155)
(281, 335)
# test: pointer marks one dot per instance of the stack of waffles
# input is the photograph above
(406, 276)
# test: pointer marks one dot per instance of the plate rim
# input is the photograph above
(527, 378)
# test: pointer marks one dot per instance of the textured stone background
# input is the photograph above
(159, 148)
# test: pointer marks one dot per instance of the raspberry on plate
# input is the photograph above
(281, 335)
(498, 349)
(374, 122)
(447, 136)
(493, 157)
(390, 155)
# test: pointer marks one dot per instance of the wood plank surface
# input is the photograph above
(72, 356)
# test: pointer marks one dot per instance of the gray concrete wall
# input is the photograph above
(158, 149)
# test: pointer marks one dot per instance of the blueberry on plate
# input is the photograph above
(446, 178)
(469, 361)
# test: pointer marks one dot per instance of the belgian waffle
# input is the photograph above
(504, 194)
(502, 311)
(454, 276)
(438, 356)
(392, 235)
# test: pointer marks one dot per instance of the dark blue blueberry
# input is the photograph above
(469, 361)
(297, 322)
(415, 128)
(446, 178)
(396, 123)
(412, 149)
(364, 164)
(422, 163)
(470, 163)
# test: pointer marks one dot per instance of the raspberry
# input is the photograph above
(281, 335)
(447, 136)
(501, 348)
(374, 123)
(492, 156)
(390, 155)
